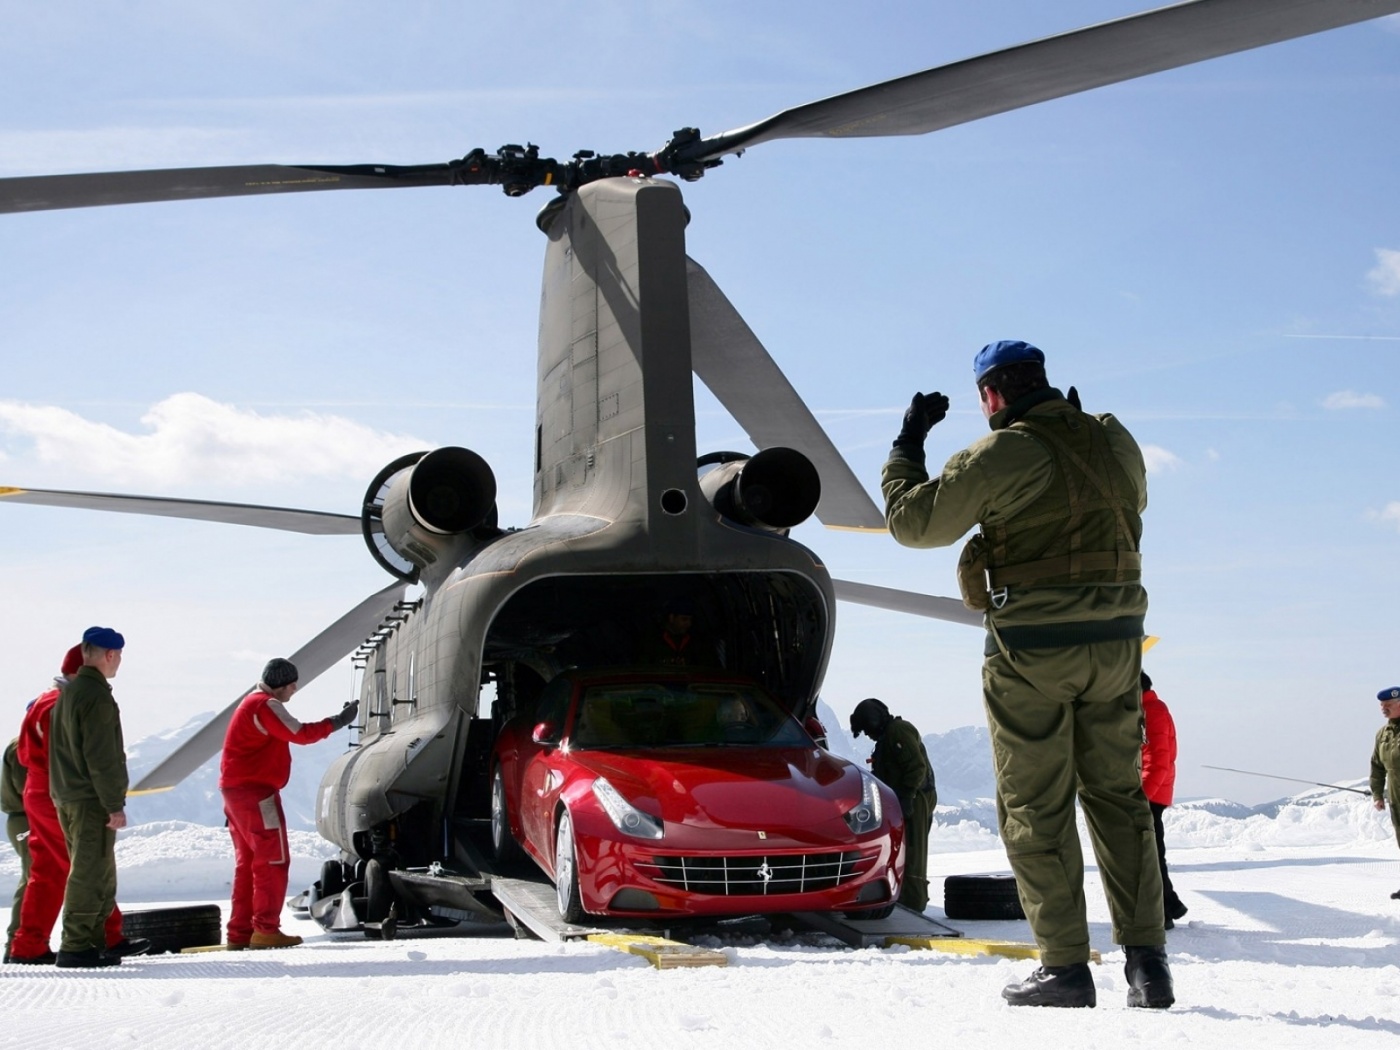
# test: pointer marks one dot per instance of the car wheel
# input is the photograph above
(981, 897)
(171, 929)
(882, 912)
(507, 850)
(566, 871)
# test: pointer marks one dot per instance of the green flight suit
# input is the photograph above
(1059, 495)
(88, 782)
(1385, 770)
(12, 779)
(901, 762)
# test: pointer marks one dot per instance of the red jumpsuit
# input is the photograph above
(256, 764)
(1159, 783)
(48, 851)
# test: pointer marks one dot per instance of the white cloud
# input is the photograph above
(1344, 399)
(1385, 278)
(1159, 459)
(1388, 515)
(193, 438)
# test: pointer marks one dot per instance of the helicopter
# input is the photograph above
(617, 496)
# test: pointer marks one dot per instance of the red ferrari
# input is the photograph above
(675, 793)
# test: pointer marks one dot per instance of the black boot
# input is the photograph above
(88, 958)
(1070, 985)
(130, 946)
(1395, 896)
(1149, 978)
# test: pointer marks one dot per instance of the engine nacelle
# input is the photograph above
(425, 508)
(774, 489)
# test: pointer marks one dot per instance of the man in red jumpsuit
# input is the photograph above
(1158, 782)
(256, 764)
(48, 851)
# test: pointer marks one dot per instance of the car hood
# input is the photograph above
(732, 787)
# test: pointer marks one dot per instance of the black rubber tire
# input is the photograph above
(332, 878)
(171, 929)
(566, 892)
(379, 891)
(882, 912)
(509, 855)
(981, 897)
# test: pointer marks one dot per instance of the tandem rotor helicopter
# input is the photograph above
(627, 512)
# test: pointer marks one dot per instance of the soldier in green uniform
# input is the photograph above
(1058, 494)
(1385, 761)
(12, 777)
(901, 763)
(88, 782)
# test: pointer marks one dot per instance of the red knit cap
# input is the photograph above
(72, 660)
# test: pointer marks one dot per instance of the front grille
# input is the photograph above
(758, 876)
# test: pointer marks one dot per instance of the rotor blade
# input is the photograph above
(1107, 53)
(1295, 780)
(318, 655)
(311, 522)
(47, 192)
(950, 609)
(730, 360)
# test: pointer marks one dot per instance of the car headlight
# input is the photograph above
(626, 817)
(869, 813)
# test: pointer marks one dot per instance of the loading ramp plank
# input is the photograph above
(532, 905)
(898, 927)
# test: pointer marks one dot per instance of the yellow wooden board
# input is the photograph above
(975, 946)
(660, 952)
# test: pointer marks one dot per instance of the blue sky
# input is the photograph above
(1213, 254)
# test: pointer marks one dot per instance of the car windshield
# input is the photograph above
(651, 714)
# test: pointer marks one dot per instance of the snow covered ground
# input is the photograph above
(1291, 941)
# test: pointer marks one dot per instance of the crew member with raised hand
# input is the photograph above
(1056, 568)
(256, 764)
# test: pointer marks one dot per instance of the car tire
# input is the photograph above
(172, 929)
(981, 897)
(882, 912)
(508, 853)
(566, 891)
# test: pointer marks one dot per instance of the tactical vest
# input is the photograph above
(1084, 528)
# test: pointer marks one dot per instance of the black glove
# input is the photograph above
(1073, 398)
(924, 411)
(346, 716)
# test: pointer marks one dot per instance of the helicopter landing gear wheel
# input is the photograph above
(332, 878)
(378, 898)
(566, 892)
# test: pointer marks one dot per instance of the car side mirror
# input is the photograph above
(545, 733)
(815, 730)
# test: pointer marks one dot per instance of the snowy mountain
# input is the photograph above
(196, 800)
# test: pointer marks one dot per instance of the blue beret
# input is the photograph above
(1393, 693)
(103, 638)
(1004, 352)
